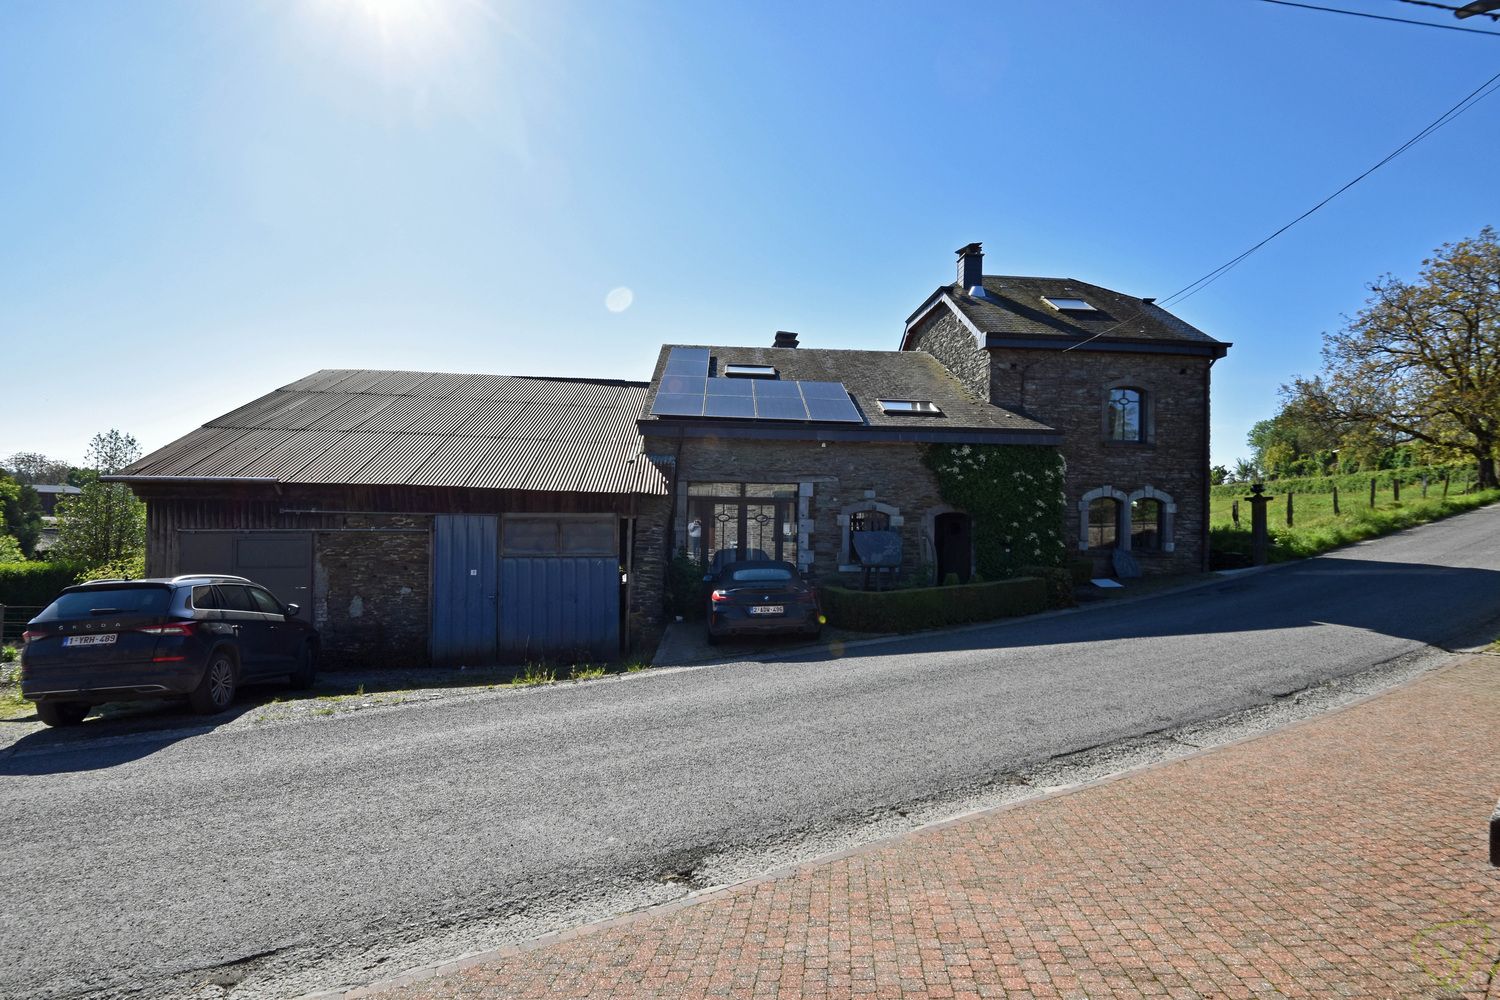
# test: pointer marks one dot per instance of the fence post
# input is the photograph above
(1445, 485)
(1234, 512)
(1372, 492)
(1424, 487)
(1335, 500)
(1259, 535)
(1396, 488)
(1289, 496)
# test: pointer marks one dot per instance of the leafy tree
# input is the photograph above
(1244, 471)
(1421, 361)
(10, 550)
(105, 523)
(20, 513)
(30, 468)
(1217, 475)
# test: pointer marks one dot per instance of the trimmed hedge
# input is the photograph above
(34, 584)
(1059, 582)
(931, 607)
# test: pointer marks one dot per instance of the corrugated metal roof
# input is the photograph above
(426, 429)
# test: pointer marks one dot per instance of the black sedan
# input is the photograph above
(761, 598)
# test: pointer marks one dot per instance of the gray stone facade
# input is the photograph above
(1068, 391)
(371, 596)
(833, 479)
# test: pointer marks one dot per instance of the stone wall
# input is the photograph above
(1068, 392)
(370, 590)
(648, 572)
(833, 479)
(943, 335)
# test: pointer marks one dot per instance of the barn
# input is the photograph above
(421, 517)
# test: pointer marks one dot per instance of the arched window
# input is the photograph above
(1146, 531)
(1125, 415)
(1104, 523)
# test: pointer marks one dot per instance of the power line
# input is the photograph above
(1189, 290)
(1447, 7)
(1382, 17)
(1474, 97)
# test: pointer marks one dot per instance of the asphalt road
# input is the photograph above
(316, 852)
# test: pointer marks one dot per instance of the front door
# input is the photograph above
(724, 530)
(953, 542)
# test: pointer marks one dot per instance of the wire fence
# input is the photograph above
(13, 619)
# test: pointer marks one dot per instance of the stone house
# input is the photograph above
(1123, 381)
(433, 517)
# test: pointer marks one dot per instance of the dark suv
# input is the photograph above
(126, 640)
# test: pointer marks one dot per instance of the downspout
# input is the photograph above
(1207, 458)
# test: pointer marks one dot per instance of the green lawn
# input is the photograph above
(1316, 528)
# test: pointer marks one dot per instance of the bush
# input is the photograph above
(1059, 583)
(1081, 569)
(34, 584)
(931, 607)
(685, 594)
(131, 567)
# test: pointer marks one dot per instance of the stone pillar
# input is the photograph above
(1260, 537)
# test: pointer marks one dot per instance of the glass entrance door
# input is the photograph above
(725, 529)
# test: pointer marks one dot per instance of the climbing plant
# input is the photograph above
(1013, 493)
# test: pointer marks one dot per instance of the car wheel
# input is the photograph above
(61, 713)
(215, 692)
(305, 672)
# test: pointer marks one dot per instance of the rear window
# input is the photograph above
(97, 601)
(761, 574)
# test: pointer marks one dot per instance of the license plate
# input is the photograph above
(769, 609)
(106, 639)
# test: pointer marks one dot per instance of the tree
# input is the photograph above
(1217, 474)
(1421, 361)
(20, 513)
(30, 468)
(1244, 471)
(105, 523)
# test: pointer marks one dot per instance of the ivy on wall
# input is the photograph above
(1013, 493)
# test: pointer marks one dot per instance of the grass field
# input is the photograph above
(1316, 528)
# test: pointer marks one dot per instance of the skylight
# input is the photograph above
(749, 371)
(904, 406)
(1067, 304)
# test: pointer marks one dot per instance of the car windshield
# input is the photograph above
(761, 574)
(95, 601)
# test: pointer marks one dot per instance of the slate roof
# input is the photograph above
(1013, 308)
(869, 376)
(352, 426)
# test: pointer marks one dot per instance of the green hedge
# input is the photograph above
(931, 607)
(1059, 583)
(34, 584)
(1355, 484)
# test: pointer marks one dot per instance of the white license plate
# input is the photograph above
(769, 609)
(106, 639)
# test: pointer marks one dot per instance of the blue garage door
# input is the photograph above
(560, 588)
(465, 588)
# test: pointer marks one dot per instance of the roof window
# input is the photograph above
(749, 371)
(1064, 304)
(897, 407)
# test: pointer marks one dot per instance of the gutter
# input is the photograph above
(702, 429)
(263, 480)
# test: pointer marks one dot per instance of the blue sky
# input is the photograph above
(200, 202)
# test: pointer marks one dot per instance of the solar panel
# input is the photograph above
(780, 408)
(690, 361)
(833, 410)
(677, 404)
(824, 390)
(768, 389)
(682, 383)
(731, 387)
(740, 407)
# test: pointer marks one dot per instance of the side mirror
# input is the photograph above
(292, 609)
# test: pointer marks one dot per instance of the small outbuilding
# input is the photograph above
(427, 517)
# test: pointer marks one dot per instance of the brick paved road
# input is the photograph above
(1346, 857)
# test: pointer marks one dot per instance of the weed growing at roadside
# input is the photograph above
(534, 674)
(585, 672)
(635, 668)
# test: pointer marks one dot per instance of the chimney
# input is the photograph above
(970, 266)
(785, 338)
